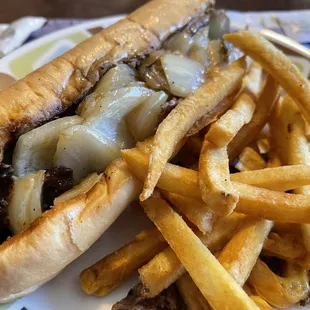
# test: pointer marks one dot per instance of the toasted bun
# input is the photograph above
(62, 234)
(50, 90)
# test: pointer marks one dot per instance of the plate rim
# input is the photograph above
(52, 36)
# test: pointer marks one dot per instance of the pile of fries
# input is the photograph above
(217, 232)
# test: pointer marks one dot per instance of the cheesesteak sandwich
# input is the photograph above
(67, 122)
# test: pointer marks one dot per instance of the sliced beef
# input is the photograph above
(6, 186)
(169, 299)
(57, 181)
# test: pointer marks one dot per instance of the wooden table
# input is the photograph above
(12, 9)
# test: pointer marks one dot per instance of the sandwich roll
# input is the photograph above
(107, 74)
(51, 89)
(60, 235)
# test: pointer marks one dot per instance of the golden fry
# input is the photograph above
(224, 129)
(165, 268)
(276, 64)
(281, 178)
(272, 205)
(263, 145)
(162, 271)
(214, 179)
(273, 160)
(286, 228)
(196, 211)
(115, 268)
(241, 253)
(191, 295)
(288, 128)
(251, 130)
(182, 118)
(280, 121)
(298, 153)
(253, 82)
(286, 246)
(213, 115)
(279, 291)
(186, 180)
(254, 201)
(250, 160)
(201, 266)
(261, 303)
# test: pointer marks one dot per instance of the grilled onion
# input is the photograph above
(84, 151)
(115, 78)
(107, 116)
(184, 75)
(152, 72)
(180, 42)
(219, 25)
(35, 150)
(25, 203)
(115, 98)
(144, 119)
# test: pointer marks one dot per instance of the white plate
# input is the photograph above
(64, 292)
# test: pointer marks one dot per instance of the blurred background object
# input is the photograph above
(13, 9)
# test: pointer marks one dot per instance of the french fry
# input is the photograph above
(250, 160)
(213, 115)
(273, 160)
(283, 178)
(214, 179)
(254, 201)
(191, 295)
(251, 130)
(182, 118)
(224, 129)
(276, 64)
(263, 145)
(253, 82)
(286, 228)
(286, 246)
(272, 205)
(201, 266)
(299, 154)
(162, 271)
(146, 146)
(165, 268)
(115, 268)
(196, 211)
(240, 254)
(279, 291)
(261, 303)
(186, 180)
(228, 125)
(279, 122)
(293, 145)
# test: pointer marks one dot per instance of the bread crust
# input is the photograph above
(59, 236)
(48, 91)
(63, 233)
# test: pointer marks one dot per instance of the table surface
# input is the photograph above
(13, 9)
